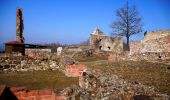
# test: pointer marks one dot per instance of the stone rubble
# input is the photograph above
(36, 61)
(139, 57)
(10, 63)
(93, 85)
(97, 85)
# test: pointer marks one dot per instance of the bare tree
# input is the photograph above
(128, 22)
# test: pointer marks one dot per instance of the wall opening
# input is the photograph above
(100, 47)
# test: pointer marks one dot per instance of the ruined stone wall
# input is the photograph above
(74, 49)
(155, 45)
(95, 37)
(149, 56)
(38, 53)
(156, 35)
(21, 93)
(105, 43)
(75, 70)
(156, 41)
(117, 45)
(135, 48)
(95, 41)
(11, 63)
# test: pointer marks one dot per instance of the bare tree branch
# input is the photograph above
(128, 22)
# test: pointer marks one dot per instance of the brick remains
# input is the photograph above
(21, 93)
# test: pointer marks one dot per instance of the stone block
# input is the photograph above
(75, 70)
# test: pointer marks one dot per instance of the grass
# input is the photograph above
(90, 58)
(37, 80)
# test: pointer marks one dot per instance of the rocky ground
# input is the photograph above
(103, 80)
(125, 80)
(150, 73)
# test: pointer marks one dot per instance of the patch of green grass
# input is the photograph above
(35, 80)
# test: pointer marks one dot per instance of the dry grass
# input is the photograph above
(36, 80)
(149, 73)
(90, 58)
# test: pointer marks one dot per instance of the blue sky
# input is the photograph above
(72, 21)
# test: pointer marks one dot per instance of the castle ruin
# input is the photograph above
(101, 42)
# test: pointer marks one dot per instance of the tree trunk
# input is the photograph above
(128, 48)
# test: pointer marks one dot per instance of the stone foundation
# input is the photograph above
(23, 63)
(98, 85)
(12, 93)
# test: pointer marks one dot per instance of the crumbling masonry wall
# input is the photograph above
(99, 41)
(154, 43)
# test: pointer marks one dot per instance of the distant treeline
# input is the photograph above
(54, 46)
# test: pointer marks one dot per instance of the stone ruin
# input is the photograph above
(21, 93)
(59, 50)
(11, 63)
(38, 53)
(98, 85)
(19, 25)
(155, 45)
(101, 42)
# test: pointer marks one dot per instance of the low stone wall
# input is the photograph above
(147, 56)
(74, 49)
(150, 56)
(24, 63)
(21, 93)
(38, 53)
(115, 57)
(75, 70)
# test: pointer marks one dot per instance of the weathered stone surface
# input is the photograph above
(74, 70)
(43, 53)
(59, 50)
(66, 60)
(87, 53)
(99, 42)
(19, 25)
(24, 63)
(155, 45)
(98, 85)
